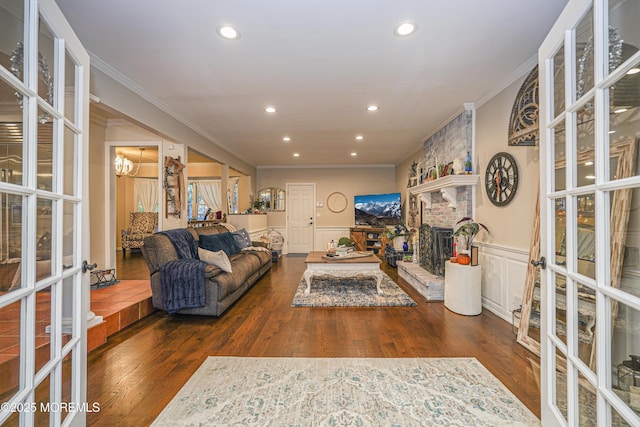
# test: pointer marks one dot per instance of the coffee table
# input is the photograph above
(318, 265)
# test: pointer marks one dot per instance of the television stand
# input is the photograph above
(371, 239)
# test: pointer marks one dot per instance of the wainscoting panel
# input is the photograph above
(504, 271)
(326, 234)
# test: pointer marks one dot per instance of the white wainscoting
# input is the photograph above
(504, 271)
(326, 234)
(257, 234)
(323, 235)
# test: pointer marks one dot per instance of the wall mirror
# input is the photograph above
(622, 164)
(272, 199)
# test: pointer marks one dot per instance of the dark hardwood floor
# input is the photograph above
(141, 369)
(131, 266)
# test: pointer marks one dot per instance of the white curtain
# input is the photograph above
(146, 193)
(211, 194)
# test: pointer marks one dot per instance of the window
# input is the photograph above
(196, 207)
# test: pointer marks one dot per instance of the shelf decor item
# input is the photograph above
(467, 232)
(464, 258)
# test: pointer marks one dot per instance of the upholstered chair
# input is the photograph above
(141, 225)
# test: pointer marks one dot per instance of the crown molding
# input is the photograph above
(116, 75)
(382, 165)
(518, 73)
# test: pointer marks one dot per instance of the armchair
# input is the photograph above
(141, 225)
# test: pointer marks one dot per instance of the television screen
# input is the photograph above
(378, 210)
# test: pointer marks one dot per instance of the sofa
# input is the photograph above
(221, 288)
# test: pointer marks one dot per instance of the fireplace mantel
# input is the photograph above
(446, 185)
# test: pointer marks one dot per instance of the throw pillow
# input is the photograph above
(219, 242)
(242, 238)
(219, 259)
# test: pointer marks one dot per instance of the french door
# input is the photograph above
(44, 83)
(590, 215)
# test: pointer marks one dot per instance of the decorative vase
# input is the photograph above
(405, 246)
(464, 258)
(398, 242)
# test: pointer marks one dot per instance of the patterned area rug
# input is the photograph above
(228, 391)
(327, 291)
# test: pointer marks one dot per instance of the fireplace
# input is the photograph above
(436, 247)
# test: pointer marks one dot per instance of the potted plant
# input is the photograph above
(399, 235)
(467, 231)
(345, 241)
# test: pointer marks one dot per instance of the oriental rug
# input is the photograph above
(327, 291)
(236, 391)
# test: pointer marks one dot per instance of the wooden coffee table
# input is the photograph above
(319, 265)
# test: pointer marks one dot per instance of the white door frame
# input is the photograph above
(110, 229)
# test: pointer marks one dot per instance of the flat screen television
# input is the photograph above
(378, 210)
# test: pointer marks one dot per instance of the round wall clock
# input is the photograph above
(501, 179)
(337, 202)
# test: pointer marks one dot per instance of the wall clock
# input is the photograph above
(501, 179)
(337, 202)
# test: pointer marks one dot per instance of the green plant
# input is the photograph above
(398, 230)
(468, 231)
(345, 241)
(257, 204)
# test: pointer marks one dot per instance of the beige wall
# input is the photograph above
(120, 98)
(125, 200)
(350, 181)
(510, 225)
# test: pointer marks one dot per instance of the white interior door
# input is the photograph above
(44, 83)
(300, 217)
(590, 216)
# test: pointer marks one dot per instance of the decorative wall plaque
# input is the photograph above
(523, 125)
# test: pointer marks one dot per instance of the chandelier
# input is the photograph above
(124, 166)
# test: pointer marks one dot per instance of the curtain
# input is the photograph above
(146, 193)
(211, 194)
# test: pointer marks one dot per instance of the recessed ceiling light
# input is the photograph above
(588, 163)
(228, 32)
(359, 137)
(405, 28)
(621, 110)
(353, 154)
(286, 139)
(296, 154)
(372, 108)
(590, 177)
(270, 109)
(612, 131)
(633, 71)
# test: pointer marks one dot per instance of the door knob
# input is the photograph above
(542, 263)
(88, 267)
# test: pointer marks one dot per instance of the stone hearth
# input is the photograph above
(431, 287)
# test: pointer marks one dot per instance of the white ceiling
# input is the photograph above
(320, 63)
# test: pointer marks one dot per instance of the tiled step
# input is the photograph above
(120, 305)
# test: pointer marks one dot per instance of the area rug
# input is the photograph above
(327, 291)
(232, 391)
